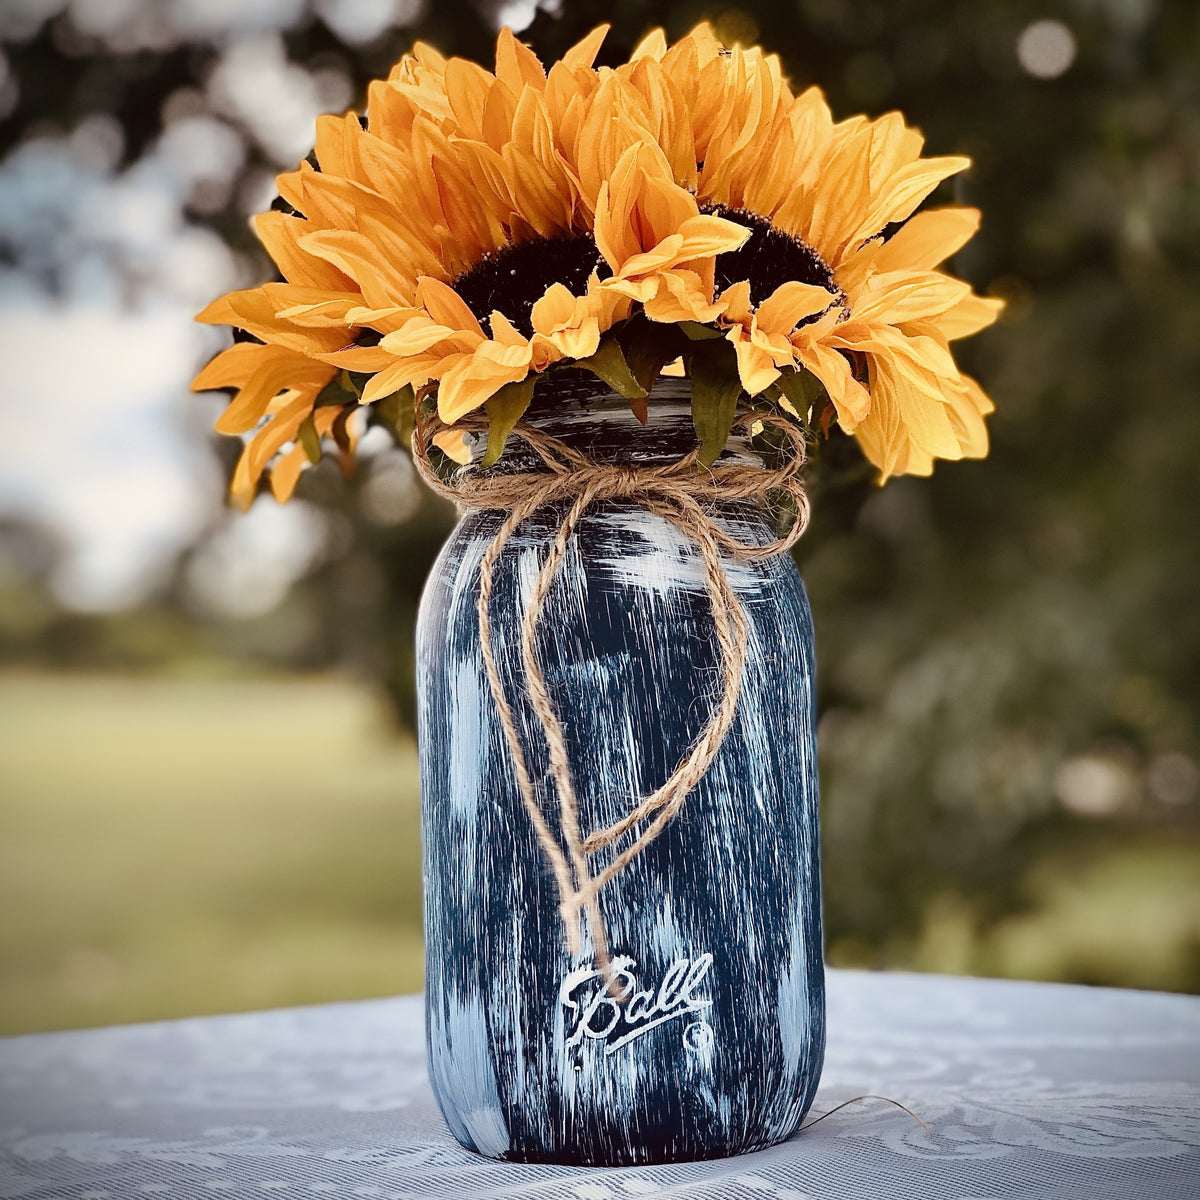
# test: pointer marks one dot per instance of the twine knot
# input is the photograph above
(683, 494)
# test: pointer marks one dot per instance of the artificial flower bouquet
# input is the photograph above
(684, 211)
(623, 938)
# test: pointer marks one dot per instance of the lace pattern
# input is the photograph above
(1031, 1090)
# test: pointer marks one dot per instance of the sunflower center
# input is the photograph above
(769, 257)
(511, 281)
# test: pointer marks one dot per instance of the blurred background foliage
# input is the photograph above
(209, 793)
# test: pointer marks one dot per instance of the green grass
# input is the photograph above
(170, 847)
(1118, 908)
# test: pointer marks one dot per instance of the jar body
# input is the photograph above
(714, 929)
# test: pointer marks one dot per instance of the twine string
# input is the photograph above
(871, 1096)
(679, 493)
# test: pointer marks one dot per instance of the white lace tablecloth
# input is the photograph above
(1031, 1090)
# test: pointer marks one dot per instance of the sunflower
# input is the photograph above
(476, 229)
(838, 277)
(447, 240)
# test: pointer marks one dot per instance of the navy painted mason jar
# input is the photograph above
(710, 1040)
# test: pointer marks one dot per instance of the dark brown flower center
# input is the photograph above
(511, 281)
(769, 257)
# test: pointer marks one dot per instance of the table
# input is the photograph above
(1031, 1090)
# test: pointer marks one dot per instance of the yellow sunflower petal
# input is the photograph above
(924, 415)
(446, 306)
(667, 118)
(280, 236)
(234, 365)
(577, 341)
(386, 320)
(881, 433)
(706, 235)
(682, 296)
(789, 304)
(517, 67)
(912, 460)
(851, 401)
(498, 112)
(970, 315)
(453, 444)
(315, 307)
(756, 369)
(417, 369)
(653, 45)
(285, 474)
(641, 290)
(966, 407)
(467, 87)
(254, 311)
(907, 188)
(366, 359)
(419, 334)
(666, 208)
(477, 377)
(268, 381)
(900, 297)
(504, 332)
(918, 354)
(555, 309)
(926, 240)
(665, 254)
(283, 427)
(368, 263)
(735, 301)
(581, 56)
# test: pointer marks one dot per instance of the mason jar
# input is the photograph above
(706, 1037)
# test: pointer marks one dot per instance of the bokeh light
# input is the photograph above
(1046, 49)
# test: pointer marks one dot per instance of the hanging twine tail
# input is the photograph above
(681, 494)
(855, 1099)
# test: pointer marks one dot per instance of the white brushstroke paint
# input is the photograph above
(469, 752)
(794, 1013)
(462, 1061)
(670, 561)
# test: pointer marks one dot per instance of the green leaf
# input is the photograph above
(806, 393)
(341, 435)
(609, 363)
(334, 393)
(343, 388)
(716, 387)
(699, 333)
(397, 414)
(307, 437)
(650, 347)
(504, 410)
(405, 420)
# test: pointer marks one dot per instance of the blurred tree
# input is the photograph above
(1010, 652)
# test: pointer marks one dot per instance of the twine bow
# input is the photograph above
(681, 494)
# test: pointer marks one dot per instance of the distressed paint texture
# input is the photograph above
(712, 1058)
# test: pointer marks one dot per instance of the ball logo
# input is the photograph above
(617, 1015)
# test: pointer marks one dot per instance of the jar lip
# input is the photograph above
(581, 389)
(589, 416)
